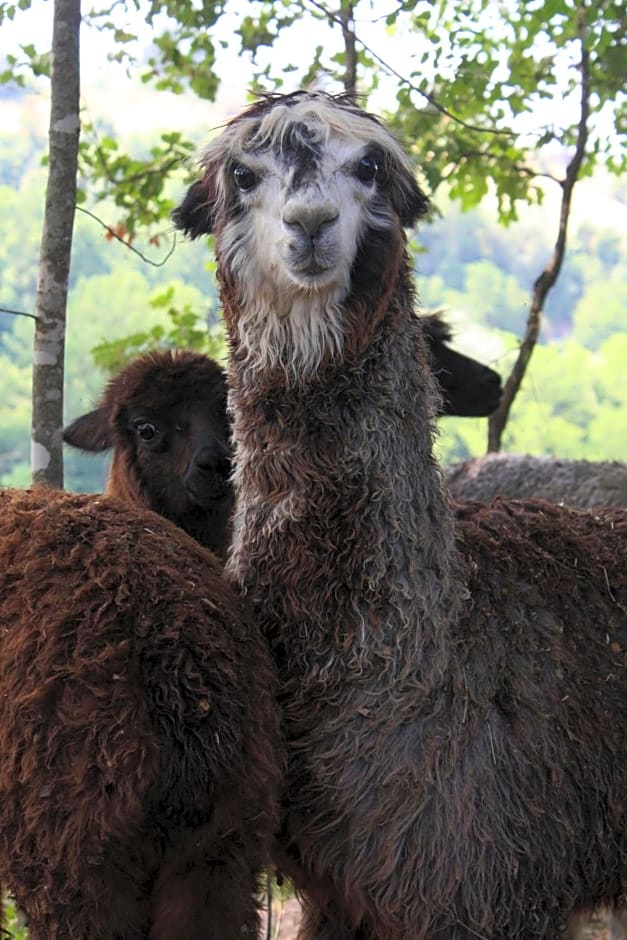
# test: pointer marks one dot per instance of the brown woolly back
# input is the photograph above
(139, 741)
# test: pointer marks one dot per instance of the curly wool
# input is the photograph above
(579, 483)
(139, 744)
(455, 720)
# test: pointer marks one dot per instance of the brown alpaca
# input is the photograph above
(453, 690)
(164, 415)
(140, 760)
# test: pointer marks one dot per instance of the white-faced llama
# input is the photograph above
(453, 689)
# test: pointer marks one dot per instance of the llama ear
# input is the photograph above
(194, 217)
(409, 201)
(90, 432)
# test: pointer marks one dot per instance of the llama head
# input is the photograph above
(164, 415)
(307, 195)
(468, 388)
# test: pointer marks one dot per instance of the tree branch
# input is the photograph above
(494, 158)
(17, 313)
(114, 234)
(405, 81)
(547, 278)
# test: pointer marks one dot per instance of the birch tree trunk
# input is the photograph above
(56, 246)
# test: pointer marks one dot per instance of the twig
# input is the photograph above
(114, 234)
(17, 313)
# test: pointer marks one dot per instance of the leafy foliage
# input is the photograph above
(486, 98)
(187, 330)
(14, 922)
(137, 186)
(494, 92)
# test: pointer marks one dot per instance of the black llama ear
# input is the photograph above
(194, 217)
(408, 199)
(90, 432)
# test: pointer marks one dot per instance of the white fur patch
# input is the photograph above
(291, 285)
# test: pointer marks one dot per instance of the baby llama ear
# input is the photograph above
(90, 432)
(194, 217)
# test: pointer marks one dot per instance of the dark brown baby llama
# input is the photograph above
(164, 416)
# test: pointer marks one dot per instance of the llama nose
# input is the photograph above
(213, 458)
(311, 219)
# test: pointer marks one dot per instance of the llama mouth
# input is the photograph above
(312, 273)
(309, 260)
(313, 269)
(320, 281)
(205, 496)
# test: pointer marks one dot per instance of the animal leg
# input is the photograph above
(205, 893)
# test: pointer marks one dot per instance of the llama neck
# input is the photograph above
(344, 534)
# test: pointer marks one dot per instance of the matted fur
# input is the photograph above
(139, 743)
(578, 483)
(183, 473)
(453, 690)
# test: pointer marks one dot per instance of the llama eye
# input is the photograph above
(145, 430)
(244, 178)
(367, 170)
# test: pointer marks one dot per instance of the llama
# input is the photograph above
(579, 483)
(140, 757)
(164, 415)
(452, 689)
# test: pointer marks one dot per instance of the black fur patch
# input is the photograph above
(194, 217)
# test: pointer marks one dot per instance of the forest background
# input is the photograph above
(574, 396)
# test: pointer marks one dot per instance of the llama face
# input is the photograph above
(303, 214)
(164, 415)
(295, 189)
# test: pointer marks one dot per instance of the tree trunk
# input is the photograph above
(548, 277)
(350, 47)
(56, 245)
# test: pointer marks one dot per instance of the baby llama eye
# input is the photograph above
(146, 431)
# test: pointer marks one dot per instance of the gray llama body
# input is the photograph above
(580, 483)
(452, 702)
